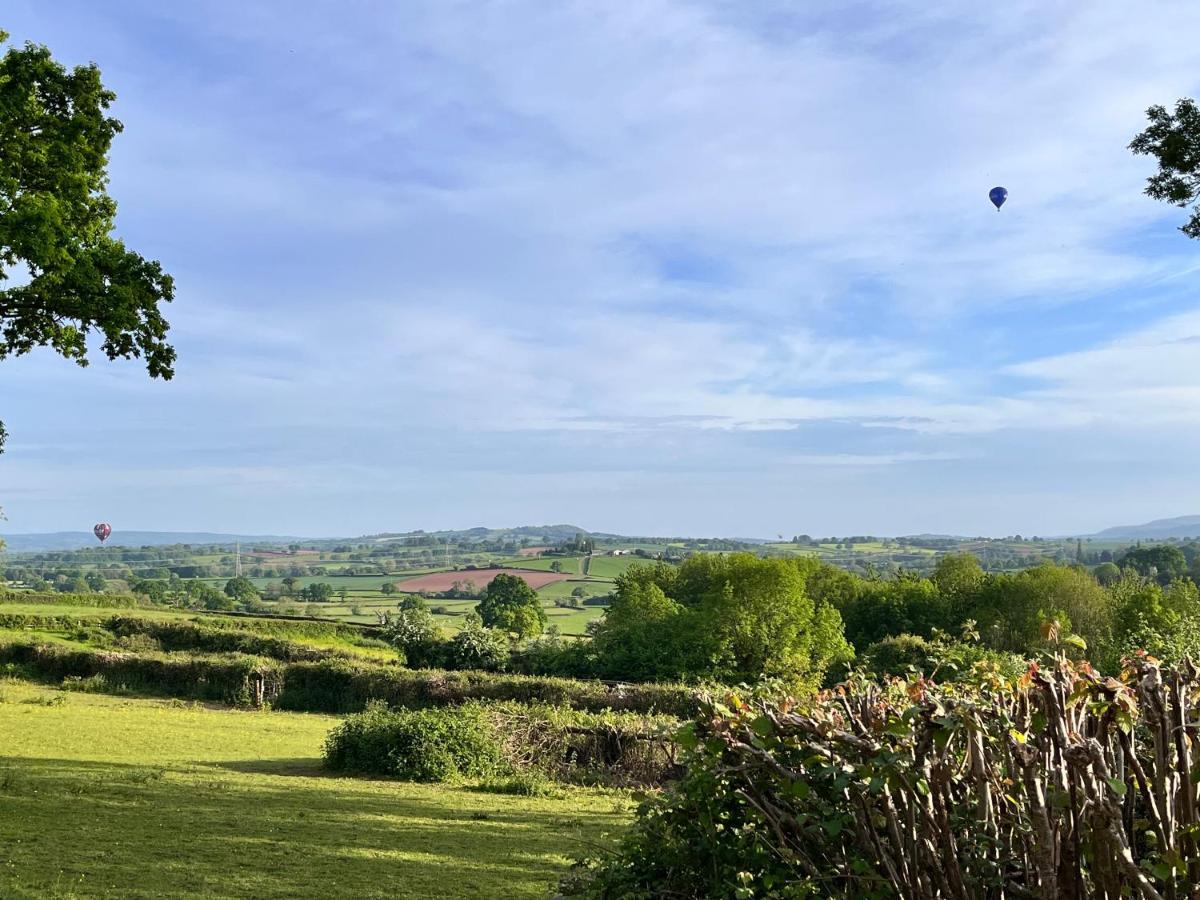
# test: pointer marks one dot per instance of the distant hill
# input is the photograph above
(74, 540)
(550, 534)
(1180, 527)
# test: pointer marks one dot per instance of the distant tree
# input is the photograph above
(413, 601)
(95, 582)
(957, 575)
(579, 592)
(1160, 561)
(510, 604)
(241, 588)
(318, 592)
(1173, 138)
(1107, 573)
(556, 566)
(387, 588)
(75, 585)
(56, 221)
(1011, 609)
(154, 589)
(289, 585)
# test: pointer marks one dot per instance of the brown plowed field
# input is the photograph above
(436, 582)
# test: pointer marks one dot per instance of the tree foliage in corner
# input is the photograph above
(56, 218)
(1174, 140)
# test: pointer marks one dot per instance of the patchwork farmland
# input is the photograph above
(438, 582)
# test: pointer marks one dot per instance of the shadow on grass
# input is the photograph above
(133, 831)
(306, 766)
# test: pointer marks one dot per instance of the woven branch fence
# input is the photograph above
(1066, 785)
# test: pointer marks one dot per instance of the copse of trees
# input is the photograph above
(730, 617)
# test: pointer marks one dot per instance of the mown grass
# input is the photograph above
(104, 797)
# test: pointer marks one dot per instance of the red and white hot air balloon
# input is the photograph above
(102, 531)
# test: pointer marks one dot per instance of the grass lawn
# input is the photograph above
(110, 797)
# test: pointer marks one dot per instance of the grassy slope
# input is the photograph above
(104, 797)
(569, 564)
(612, 566)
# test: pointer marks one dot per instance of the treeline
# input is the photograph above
(1144, 601)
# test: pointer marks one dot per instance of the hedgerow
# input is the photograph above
(341, 685)
(1062, 783)
(107, 601)
(234, 678)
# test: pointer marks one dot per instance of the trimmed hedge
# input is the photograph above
(107, 601)
(35, 622)
(174, 637)
(236, 679)
(338, 686)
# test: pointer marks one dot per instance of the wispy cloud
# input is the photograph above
(498, 248)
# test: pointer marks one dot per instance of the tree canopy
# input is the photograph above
(63, 275)
(510, 604)
(1173, 138)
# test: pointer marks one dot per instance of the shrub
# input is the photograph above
(939, 658)
(415, 745)
(1060, 783)
(477, 647)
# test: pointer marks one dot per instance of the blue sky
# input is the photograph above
(663, 267)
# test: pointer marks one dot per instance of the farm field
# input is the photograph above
(444, 581)
(108, 797)
(569, 565)
(612, 566)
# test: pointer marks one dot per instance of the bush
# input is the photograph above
(415, 745)
(997, 788)
(477, 647)
(939, 658)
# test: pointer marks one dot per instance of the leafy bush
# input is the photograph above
(477, 647)
(938, 658)
(416, 745)
(528, 745)
(1060, 783)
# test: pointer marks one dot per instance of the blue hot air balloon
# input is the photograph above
(998, 195)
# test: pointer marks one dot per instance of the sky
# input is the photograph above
(686, 267)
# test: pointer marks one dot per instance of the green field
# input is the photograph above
(118, 798)
(612, 566)
(569, 565)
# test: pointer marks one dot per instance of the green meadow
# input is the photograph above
(121, 798)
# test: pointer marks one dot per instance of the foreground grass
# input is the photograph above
(108, 797)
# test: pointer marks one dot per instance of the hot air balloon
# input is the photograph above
(998, 195)
(102, 531)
